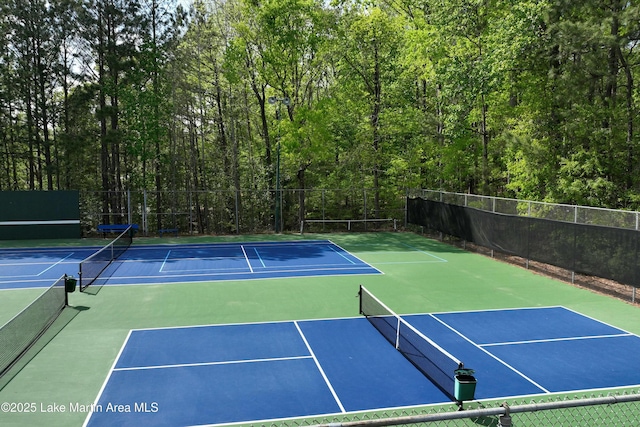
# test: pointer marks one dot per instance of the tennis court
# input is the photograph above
(221, 349)
(148, 264)
(266, 372)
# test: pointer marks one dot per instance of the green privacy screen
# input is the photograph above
(39, 215)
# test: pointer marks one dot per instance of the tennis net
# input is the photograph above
(24, 329)
(432, 360)
(92, 267)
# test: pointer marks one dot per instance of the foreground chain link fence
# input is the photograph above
(614, 409)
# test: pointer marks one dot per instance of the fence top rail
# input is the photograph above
(350, 220)
(562, 205)
(503, 409)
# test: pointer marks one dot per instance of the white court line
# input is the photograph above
(326, 380)
(246, 258)
(226, 362)
(106, 380)
(342, 255)
(51, 266)
(259, 257)
(586, 337)
(424, 252)
(491, 355)
(166, 258)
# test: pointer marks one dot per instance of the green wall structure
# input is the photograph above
(39, 215)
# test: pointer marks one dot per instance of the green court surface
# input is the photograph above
(63, 378)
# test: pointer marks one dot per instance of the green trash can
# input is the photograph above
(70, 284)
(465, 385)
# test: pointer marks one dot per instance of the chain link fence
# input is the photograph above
(552, 211)
(629, 220)
(620, 409)
(245, 211)
(254, 210)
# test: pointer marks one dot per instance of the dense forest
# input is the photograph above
(532, 99)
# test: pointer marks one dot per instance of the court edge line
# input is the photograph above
(490, 354)
(315, 359)
(246, 258)
(166, 257)
(528, 308)
(226, 362)
(243, 270)
(301, 270)
(268, 322)
(424, 252)
(53, 265)
(182, 283)
(490, 310)
(355, 256)
(106, 380)
(214, 280)
(188, 258)
(342, 255)
(259, 257)
(585, 337)
(597, 320)
(407, 262)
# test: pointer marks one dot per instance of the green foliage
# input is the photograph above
(526, 98)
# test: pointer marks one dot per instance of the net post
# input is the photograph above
(360, 299)
(66, 292)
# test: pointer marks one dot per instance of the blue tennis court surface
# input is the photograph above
(263, 372)
(185, 263)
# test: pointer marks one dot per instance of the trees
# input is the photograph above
(530, 98)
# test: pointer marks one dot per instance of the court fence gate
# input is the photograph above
(615, 409)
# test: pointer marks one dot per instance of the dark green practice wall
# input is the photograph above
(39, 215)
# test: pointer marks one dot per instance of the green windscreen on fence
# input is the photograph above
(39, 215)
(607, 252)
